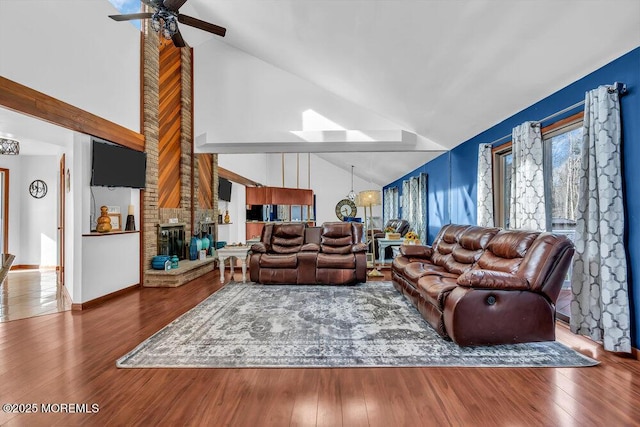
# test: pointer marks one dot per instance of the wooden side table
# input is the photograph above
(383, 244)
(232, 252)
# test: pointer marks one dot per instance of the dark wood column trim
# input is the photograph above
(22, 99)
(232, 176)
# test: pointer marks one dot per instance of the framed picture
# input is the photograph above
(115, 221)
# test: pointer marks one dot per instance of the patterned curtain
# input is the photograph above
(527, 182)
(405, 200)
(414, 199)
(421, 223)
(390, 210)
(485, 186)
(600, 305)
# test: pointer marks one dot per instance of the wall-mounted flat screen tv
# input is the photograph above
(117, 166)
(224, 189)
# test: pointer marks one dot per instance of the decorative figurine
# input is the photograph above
(104, 222)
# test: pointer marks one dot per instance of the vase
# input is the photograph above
(193, 249)
(205, 243)
(227, 218)
(174, 261)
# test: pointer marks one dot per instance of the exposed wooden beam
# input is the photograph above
(25, 100)
(232, 176)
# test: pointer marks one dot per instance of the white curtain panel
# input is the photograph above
(405, 200)
(527, 183)
(485, 186)
(414, 209)
(600, 305)
(421, 223)
(395, 208)
(390, 204)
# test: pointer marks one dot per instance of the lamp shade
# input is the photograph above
(9, 146)
(369, 198)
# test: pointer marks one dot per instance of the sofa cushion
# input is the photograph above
(336, 261)
(287, 238)
(435, 288)
(506, 250)
(419, 251)
(279, 261)
(336, 238)
(488, 279)
(416, 270)
(445, 243)
(471, 244)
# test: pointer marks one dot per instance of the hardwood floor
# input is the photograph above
(69, 358)
(29, 293)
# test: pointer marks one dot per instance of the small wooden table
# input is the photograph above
(383, 244)
(233, 252)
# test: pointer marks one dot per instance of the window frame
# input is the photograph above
(498, 154)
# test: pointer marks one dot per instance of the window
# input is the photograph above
(562, 142)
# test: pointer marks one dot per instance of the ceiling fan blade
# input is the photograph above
(197, 23)
(178, 41)
(174, 5)
(131, 16)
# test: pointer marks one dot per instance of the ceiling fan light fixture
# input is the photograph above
(170, 27)
(9, 146)
(156, 24)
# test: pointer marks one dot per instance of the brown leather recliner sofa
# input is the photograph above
(292, 253)
(485, 286)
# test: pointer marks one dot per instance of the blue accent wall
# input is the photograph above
(453, 176)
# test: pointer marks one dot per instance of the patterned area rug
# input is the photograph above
(371, 324)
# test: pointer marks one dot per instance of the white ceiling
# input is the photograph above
(36, 137)
(446, 70)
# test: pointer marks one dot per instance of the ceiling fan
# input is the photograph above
(165, 20)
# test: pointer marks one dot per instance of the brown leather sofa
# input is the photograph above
(292, 253)
(485, 286)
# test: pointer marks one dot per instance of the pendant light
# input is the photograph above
(352, 195)
(12, 147)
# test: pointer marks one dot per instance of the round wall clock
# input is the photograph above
(345, 208)
(38, 189)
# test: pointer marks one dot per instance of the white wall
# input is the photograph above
(32, 222)
(72, 51)
(329, 182)
(332, 184)
(39, 217)
(109, 263)
(236, 93)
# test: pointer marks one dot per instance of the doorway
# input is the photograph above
(35, 285)
(4, 209)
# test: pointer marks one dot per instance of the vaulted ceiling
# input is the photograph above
(445, 70)
(440, 70)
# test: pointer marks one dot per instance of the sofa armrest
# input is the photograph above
(259, 248)
(310, 247)
(416, 251)
(489, 279)
(359, 247)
